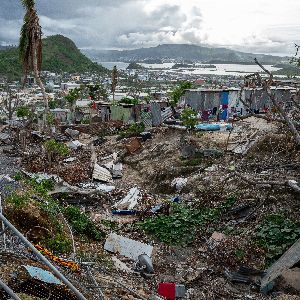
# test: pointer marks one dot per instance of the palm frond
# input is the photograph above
(28, 4)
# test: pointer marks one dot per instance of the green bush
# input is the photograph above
(59, 244)
(50, 118)
(179, 91)
(183, 222)
(189, 117)
(133, 130)
(276, 234)
(18, 200)
(127, 100)
(24, 111)
(55, 149)
(81, 223)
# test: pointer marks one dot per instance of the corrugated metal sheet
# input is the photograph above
(120, 113)
(4, 136)
(166, 114)
(156, 114)
(146, 115)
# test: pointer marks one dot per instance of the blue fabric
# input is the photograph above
(224, 114)
(225, 98)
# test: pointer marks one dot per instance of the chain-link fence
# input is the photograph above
(26, 272)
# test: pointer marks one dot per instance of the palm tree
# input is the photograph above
(114, 81)
(30, 47)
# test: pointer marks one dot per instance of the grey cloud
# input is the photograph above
(105, 24)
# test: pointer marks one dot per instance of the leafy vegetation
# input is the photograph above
(24, 112)
(55, 149)
(60, 54)
(133, 130)
(127, 100)
(189, 117)
(180, 227)
(178, 92)
(276, 234)
(81, 223)
(47, 214)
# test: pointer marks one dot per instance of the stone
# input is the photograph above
(291, 278)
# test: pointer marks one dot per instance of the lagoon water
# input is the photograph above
(221, 69)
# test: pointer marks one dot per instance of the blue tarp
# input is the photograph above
(212, 127)
(225, 98)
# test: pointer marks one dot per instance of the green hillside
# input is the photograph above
(60, 54)
(183, 52)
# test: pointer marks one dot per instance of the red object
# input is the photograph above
(94, 106)
(167, 290)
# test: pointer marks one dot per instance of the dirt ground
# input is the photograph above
(211, 178)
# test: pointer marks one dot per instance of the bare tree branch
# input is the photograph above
(266, 86)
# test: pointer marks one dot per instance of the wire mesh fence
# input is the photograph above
(28, 270)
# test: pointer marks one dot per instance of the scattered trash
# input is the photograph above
(216, 239)
(133, 146)
(145, 136)
(117, 170)
(213, 168)
(130, 201)
(42, 275)
(144, 264)
(73, 134)
(213, 127)
(211, 152)
(101, 174)
(105, 188)
(70, 159)
(286, 261)
(74, 145)
(244, 275)
(154, 297)
(167, 290)
(4, 137)
(126, 247)
(179, 183)
(125, 212)
(171, 291)
(120, 265)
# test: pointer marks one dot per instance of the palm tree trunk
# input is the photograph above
(42, 87)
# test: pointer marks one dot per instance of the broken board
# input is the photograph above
(126, 247)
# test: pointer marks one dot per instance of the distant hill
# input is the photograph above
(60, 54)
(180, 53)
(287, 69)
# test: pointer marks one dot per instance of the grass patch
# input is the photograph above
(183, 223)
(82, 224)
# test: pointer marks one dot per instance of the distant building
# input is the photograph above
(67, 86)
(227, 102)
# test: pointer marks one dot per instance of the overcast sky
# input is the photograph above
(260, 26)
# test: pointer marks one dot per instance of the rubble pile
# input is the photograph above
(165, 213)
